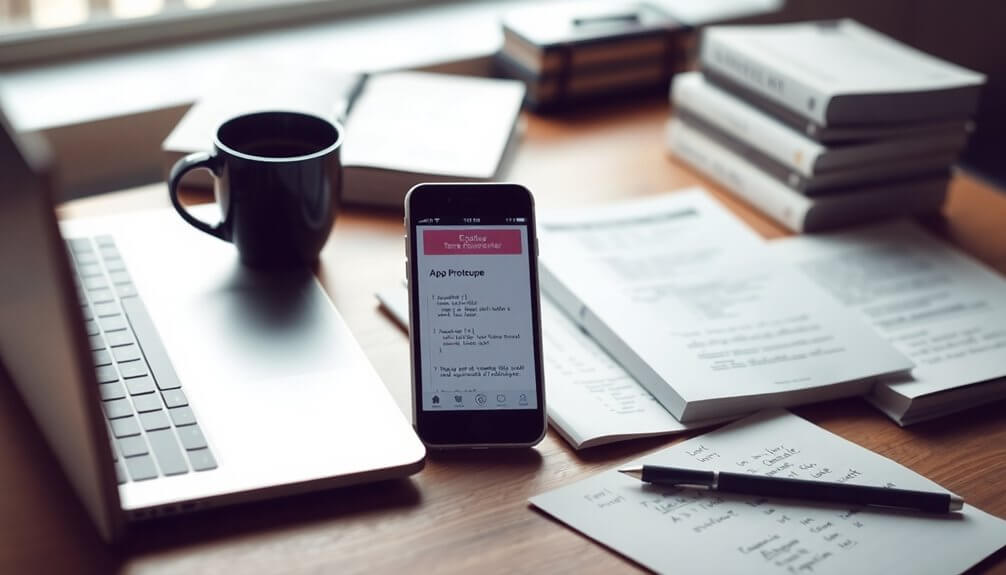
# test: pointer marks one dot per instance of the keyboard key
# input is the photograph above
(86, 311)
(166, 450)
(89, 270)
(104, 240)
(115, 453)
(120, 473)
(182, 416)
(148, 402)
(120, 277)
(118, 408)
(126, 290)
(132, 446)
(85, 258)
(140, 385)
(80, 244)
(141, 467)
(126, 353)
(133, 369)
(202, 460)
(106, 374)
(102, 357)
(114, 323)
(110, 391)
(118, 338)
(109, 252)
(115, 265)
(92, 327)
(192, 437)
(154, 420)
(106, 309)
(175, 398)
(102, 296)
(125, 427)
(165, 384)
(93, 283)
(97, 342)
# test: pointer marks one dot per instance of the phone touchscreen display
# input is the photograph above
(475, 315)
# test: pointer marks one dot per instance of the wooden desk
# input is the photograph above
(467, 511)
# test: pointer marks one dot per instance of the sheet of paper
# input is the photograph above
(590, 399)
(690, 531)
(686, 298)
(942, 309)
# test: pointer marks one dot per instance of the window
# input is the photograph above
(32, 30)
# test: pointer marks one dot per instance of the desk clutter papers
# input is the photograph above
(942, 309)
(591, 399)
(691, 531)
(686, 298)
(822, 124)
(402, 128)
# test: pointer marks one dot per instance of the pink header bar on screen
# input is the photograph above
(463, 242)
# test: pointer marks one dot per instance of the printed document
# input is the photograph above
(940, 308)
(670, 529)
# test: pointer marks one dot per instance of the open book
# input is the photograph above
(942, 309)
(686, 298)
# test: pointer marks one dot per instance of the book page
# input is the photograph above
(685, 297)
(591, 399)
(940, 308)
(670, 529)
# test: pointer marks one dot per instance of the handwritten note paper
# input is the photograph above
(690, 531)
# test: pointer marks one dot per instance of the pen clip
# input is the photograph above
(609, 18)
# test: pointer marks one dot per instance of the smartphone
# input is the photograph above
(475, 318)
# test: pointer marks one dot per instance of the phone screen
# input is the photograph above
(477, 345)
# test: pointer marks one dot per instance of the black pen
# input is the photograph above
(797, 488)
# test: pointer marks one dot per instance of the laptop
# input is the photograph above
(168, 378)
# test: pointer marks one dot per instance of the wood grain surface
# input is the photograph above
(467, 512)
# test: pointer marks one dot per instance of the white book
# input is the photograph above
(840, 73)
(677, 530)
(683, 295)
(794, 210)
(740, 121)
(409, 127)
(592, 400)
(941, 308)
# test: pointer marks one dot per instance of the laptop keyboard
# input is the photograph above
(152, 426)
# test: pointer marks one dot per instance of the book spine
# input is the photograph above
(752, 73)
(758, 189)
(745, 123)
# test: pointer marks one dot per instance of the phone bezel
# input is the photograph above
(474, 428)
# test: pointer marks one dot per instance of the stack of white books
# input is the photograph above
(823, 124)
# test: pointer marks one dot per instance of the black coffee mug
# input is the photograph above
(278, 181)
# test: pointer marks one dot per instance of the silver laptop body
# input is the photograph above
(251, 387)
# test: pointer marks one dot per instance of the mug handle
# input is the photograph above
(183, 166)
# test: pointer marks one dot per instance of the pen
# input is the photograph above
(797, 488)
